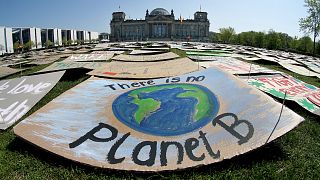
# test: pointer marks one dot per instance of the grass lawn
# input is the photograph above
(294, 155)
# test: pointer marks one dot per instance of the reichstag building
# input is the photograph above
(159, 25)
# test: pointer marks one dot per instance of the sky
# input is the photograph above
(95, 15)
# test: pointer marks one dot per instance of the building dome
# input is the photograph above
(159, 11)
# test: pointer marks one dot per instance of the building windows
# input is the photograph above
(158, 26)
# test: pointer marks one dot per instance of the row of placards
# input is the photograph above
(158, 124)
(171, 123)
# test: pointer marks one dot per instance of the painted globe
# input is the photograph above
(166, 110)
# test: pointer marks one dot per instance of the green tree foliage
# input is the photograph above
(270, 40)
(64, 42)
(259, 39)
(79, 42)
(214, 37)
(16, 46)
(305, 44)
(226, 34)
(49, 44)
(69, 42)
(29, 45)
(293, 44)
(311, 24)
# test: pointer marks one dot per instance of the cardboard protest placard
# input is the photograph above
(108, 52)
(235, 66)
(314, 66)
(268, 58)
(207, 54)
(89, 57)
(163, 49)
(249, 58)
(40, 60)
(144, 58)
(155, 125)
(146, 70)
(6, 71)
(65, 65)
(144, 52)
(18, 96)
(203, 58)
(306, 95)
(299, 69)
(204, 50)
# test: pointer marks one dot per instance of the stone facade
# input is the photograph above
(159, 25)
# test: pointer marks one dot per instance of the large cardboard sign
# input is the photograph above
(235, 66)
(192, 53)
(89, 57)
(248, 58)
(108, 52)
(268, 58)
(306, 95)
(144, 58)
(163, 49)
(206, 50)
(144, 52)
(203, 58)
(146, 70)
(65, 65)
(314, 66)
(299, 69)
(6, 71)
(44, 60)
(18, 96)
(154, 125)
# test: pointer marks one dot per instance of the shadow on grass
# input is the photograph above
(75, 74)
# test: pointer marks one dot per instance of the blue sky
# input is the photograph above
(95, 15)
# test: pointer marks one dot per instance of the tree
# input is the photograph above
(69, 42)
(64, 42)
(17, 46)
(259, 39)
(214, 37)
(247, 38)
(311, 24)
(79, 42)
(29, 45)
(272, 40)
(318, 48)
(305, 44)
(48, 44)
(294, 43)
(226, 34)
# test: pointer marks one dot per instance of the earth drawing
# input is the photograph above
(168, 109)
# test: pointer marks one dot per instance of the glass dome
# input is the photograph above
(159, 11)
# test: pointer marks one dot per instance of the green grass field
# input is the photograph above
(295, 155)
